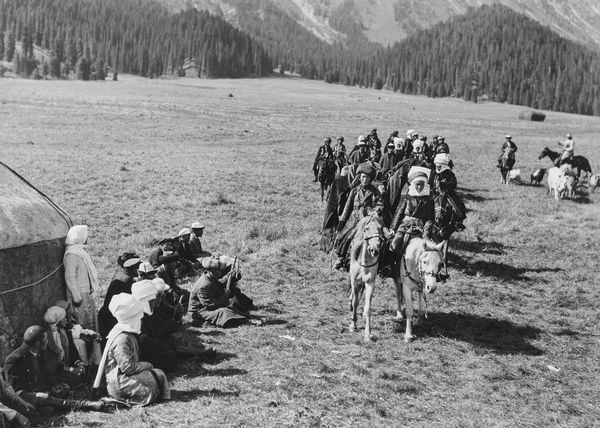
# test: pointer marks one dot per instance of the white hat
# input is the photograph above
(410, 132)
(442, 159)
(131, 262)
(508, 137)
(418, 145)
(125, 307)
(146, 268)
(144, 291)
(362, 139)
(416, 172)
(184, 231)
(569, 136)
(197, 225)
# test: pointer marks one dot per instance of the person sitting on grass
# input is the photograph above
(128, 379)
(26, 370)
(14, 411)
(195, 240)
(121, 281)
(216, 299)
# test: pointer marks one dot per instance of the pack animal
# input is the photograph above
(537, 176)
(419, 271)
(364, 262)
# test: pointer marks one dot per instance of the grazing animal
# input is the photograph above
(325, 174)
(537, 176)
(579, 163)
(514, 175)
(364, 262)
(557, 182)
(594, 182)
(419, 271)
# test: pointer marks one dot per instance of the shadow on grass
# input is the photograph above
(469, 195)
(270, 309)
(501, 271)
(478, 246)
(268, 321)
(226, 372)
(500, 336)
(193, 394)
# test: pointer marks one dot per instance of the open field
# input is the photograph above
(511, 340)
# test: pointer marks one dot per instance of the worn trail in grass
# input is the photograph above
(512, 339)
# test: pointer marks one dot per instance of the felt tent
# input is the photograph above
(32, 244)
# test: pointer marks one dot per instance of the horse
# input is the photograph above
(364, 263)
(579, 163)
(419, 270)
(325, 174)
(447, 216)
(506, 163)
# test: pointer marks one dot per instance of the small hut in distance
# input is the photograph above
(32, 244)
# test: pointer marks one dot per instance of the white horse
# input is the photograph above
(364, 261)
(419, 269)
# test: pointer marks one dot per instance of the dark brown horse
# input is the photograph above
(506, 163)
(579, 163)
(326, 173)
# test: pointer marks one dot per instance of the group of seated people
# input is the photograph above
(131, 342)
(430, 208)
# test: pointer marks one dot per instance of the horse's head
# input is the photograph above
(430, 264)
(544, 153)
(373, 235)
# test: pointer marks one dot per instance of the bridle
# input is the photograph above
(422, 273)
(366, 240)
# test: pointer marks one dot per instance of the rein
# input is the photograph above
(363, 250)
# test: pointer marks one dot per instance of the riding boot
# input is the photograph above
(61, 404)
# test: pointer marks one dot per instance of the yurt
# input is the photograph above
(32, 243)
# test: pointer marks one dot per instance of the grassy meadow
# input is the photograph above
(511, 340)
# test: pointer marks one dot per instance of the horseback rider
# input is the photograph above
(360, 153)
(415, 214)
(360, 199)
(390, 140)
(445, 186)
(339, 153)
(568, 148)
(374, 142)
(323, 154)
(508, 149)
(389, 159)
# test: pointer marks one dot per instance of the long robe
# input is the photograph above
(129, 379)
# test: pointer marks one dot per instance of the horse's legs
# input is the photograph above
(422, 307)
(398, 285)
(445, 256)
(367, 310)
(406, 291)
(354, 303)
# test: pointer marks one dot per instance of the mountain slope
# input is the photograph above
(389, 21)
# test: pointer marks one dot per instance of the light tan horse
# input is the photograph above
(364, 261)
(419, 269)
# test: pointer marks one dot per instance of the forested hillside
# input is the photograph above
(133, 36)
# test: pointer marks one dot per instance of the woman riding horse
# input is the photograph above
(360, 199)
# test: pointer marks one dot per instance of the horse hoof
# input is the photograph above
(369, 339)
(408, 338)
(352, 328)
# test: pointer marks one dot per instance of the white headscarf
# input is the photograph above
(75, 242)
(52, 317)
(412, 191)
(128, 312)
(144, 291)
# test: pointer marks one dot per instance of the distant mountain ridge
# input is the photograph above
(389, 21)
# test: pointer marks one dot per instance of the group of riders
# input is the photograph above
(374, 179)
(509, 148)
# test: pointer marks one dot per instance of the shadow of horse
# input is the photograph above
(502, 271)
(469, 195)
(491, 247)
(499, 336)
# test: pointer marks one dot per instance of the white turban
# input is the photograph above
(144, 291)
(442, 159)
(127, 310)
(54, 315)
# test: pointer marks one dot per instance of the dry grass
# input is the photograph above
(136, 160)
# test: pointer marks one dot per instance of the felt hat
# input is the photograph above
(184, 231)
(132, 262)
(362, 139)
(210, 263)
(327, 140)
(418, 172)
(508, 137)
(442, 159)
(146, 268)
(340, 139)
(366, 168)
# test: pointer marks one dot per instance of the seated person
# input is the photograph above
(195, 240)
(188, 263)
(216, 299)
(83, 342)
(63, 366)
(120, 283)
(14, 411)
(166, 261)
(176, 298)
(26, 370)
(129, 379)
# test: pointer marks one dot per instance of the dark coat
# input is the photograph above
(445, 181)
(210, 302)
(25, 371)
(121, 283)
(359, 199)
(358, 156)
(388, 161)
(324, 152)
(414, 212)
